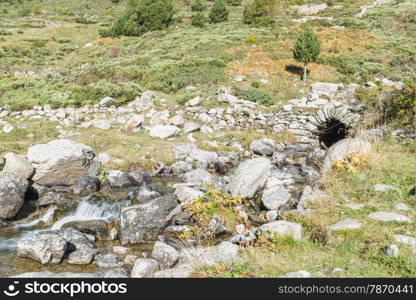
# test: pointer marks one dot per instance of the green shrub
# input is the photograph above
(142, 16)
(198, 20)
(234, 2)
(23, 12)
(197, 5)
(259, 12)
(400, 107)
(219, 12)
(190, 70)
(256, 95)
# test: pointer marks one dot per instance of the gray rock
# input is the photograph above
(384, 216)
(180, 167)
(263, 146)
(144, 268)
(107, 101)
(182, 150)
(225, 252)
(404, 239)
(190, 127)
(120, 179)
(163, 131)
(7, 128)
(143, 222)
(187, 194)
(82, 256)
(272, 215)
(250, 177)
(275, 197)
(116, 273)
(86, 185)
(134, 123)
(283, 228)
(384, 187)
(178, 272)
(165, 254)
(145, 101)
(197, 177)
(47, 247)
(177, 120)
(12, 193)
(60, 162)
(297, 274)
(401, 207)
(160, 118)
(194, 101)
(347, 224)
(390, 250)
(107, 260)
(19, 165)
(344, 148)
(325, 88)
(203, 158)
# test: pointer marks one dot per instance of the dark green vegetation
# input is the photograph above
(142, 16)
(307, 49)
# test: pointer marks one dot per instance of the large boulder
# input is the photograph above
(225, 252)
(19, 165)
(343, 149)
(142, 222)
(163, 131)
(46, 247)
(263, 146)
(250, 177)
(60, 162)
(275, 197)
(165, 254)
(12, 193)
(144, 268)
(282, 228)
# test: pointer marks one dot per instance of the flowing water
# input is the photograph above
(104, 207)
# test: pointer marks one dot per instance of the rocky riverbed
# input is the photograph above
(63, 214)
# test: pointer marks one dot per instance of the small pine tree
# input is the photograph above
(198, 20)
(307, 49)
(197, 5)
(219, 12)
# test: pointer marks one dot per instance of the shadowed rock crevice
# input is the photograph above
(332, 131)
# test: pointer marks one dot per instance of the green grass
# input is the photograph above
(168, 61)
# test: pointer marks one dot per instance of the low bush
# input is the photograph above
(259, 12)
(142, 16)
(256, 95)
(198, 20)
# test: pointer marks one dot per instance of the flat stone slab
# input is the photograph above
(404, 239)
(384, 187)
(348, 224)
(385, 216)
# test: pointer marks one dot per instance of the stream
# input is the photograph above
(88, 209)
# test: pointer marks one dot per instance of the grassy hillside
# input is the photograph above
(59, 57)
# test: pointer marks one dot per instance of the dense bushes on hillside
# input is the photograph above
(259, 12)
(198, 20)
(219, 12)
(142, 16)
